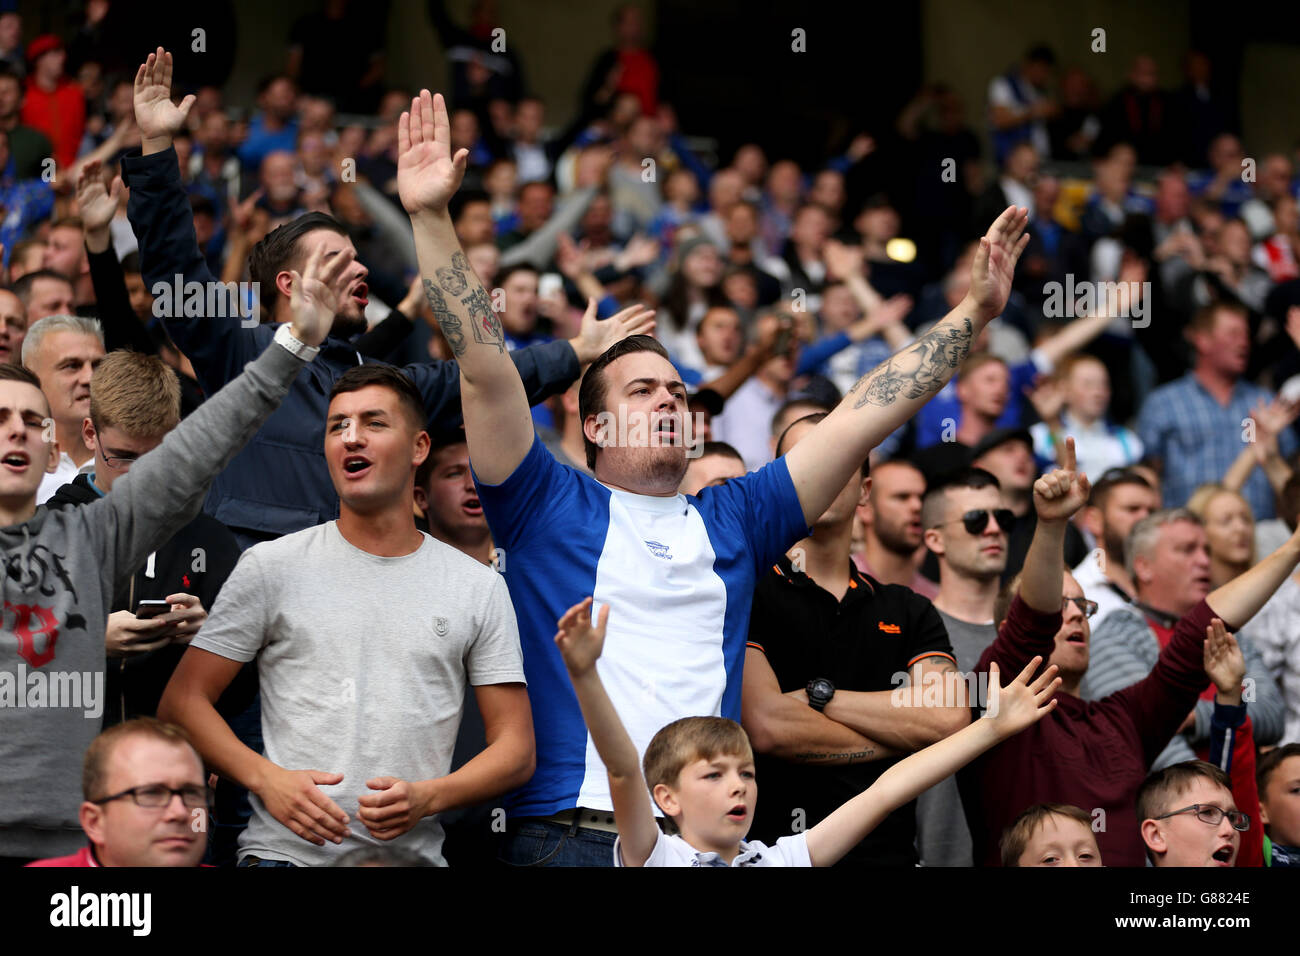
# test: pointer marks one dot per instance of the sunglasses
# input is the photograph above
(977, 521)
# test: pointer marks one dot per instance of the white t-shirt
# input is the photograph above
(363, 662)
(674, 851)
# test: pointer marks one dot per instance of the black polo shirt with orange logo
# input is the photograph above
(859, 644)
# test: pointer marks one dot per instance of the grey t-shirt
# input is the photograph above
(942, 837)
(363, 662)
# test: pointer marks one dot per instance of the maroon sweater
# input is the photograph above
(1089, 753)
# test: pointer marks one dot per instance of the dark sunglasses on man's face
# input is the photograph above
(978, 520)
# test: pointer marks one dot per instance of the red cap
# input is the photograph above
(41, 45)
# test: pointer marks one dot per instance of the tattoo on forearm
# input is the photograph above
(484, 322)
(447, 320)
(825, 758)
(452, 277)
(918, 371)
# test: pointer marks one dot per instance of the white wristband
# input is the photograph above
(284, 335)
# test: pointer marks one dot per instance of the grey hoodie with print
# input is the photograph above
(60, 572)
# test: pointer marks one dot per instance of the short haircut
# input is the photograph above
(138, 393)
(800, 401)
(503, 275)
(425, 469)
(382, 856)
(456, 205)
(95, 766)
(1204, 317)
(812, 419)
(58, 323)
(932, 505)
(1269, 762)
(68, 222)
(1160, 790)
(278, 251)
(977, 361)
(19, 373)
(721, 449)
(385, 376)
(1017, 836)
(690, 739)
(1112, 479)
(23, 287)
(1146, 532)
(594, 390)
(131, 262)
(1071, 362)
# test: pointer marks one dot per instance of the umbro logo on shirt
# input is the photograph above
(659, 550)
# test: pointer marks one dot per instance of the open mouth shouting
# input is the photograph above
(16, 461)
(1223, 855)
(361, 294)
(355, 466)
(738, 814)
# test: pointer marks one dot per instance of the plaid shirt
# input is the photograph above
(1198, 439)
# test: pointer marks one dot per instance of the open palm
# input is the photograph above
(96, 205)
(155, 113)
(995, 261)
(427, 173)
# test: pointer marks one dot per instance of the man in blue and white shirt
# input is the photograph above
(684, 568)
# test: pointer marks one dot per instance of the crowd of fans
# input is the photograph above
(1082, 470)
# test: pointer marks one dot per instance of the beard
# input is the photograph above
(658, 467)
(895, 539)
(346, 326)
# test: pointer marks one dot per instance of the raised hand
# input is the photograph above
(317, 292)
(596, 335)
(1062, 491)
(427, 173)
(995, 262)
(1047, 395)
(1224, 663)
(96, 204)
(1021, 703)
(157, 116)
(842, 261)
(579, 642)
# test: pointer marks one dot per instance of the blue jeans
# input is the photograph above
(538, 843)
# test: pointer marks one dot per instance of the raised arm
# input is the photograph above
(893, 392)
(580, 645)
(97, 206)
(1241, 598)
(1013, 708)
(1058, 495)
(498, 423)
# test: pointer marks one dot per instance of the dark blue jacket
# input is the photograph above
(279, 483)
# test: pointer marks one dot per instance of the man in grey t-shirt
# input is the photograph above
(366, 633)
(966, 526)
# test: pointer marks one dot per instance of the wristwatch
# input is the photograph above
(284, 335)
(819, 691)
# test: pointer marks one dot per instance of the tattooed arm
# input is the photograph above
(498, 422)
(886, 397)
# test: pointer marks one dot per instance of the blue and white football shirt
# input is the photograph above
(679, 576)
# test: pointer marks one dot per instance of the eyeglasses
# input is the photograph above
(1208, 813)
(116, 463)
(155, 795)
(1089, 608)
(977, 521)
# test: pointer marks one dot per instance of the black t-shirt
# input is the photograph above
(859, 644)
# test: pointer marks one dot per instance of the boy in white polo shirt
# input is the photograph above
(701, 770)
